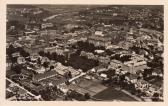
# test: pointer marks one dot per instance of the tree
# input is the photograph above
(10, 50)
(87, 96)
(122, 78)
(110, 73)
(69, 74)
(28, 59)
(45, 94)
(55, 88)
(155, 97)
(17, 69)
(41, 53)
(13, 60)
(132, 88)
(45, 64)
(125, 58)
(38, 61)
(147, 72)
(67, 82)
(23, 52)
(30, 76)
(51, 67)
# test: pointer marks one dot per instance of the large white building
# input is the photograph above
(137, 63)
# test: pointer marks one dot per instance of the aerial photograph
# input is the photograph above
(111, 53)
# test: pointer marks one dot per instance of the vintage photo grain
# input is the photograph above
(84, 52)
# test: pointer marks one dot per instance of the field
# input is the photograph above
(112, 94)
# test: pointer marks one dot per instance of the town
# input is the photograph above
(84, 53)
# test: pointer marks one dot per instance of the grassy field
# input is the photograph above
(112, 94)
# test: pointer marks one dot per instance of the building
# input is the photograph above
(53, 43)
(103, 59)
(56, 49)
(48, 32)
(35, 49)
(114, 64)
(21, 60)
(16, 54)
(152, 33)
(135, 64)
(46, 25)
(28, 32)
(46, 75)
(99, 39)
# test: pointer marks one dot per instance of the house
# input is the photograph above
(104, 76)
(16, 54)
(50, 33)
(114, 64)
(46, 25)
(21, 60)
(40, 70)
(28, 32)
(103, 59)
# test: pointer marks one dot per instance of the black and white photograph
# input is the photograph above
(75, 52)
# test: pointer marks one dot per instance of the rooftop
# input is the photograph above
(45, 75)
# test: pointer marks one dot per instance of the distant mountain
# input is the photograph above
(57, 7)
(20, 6)
(68, 8)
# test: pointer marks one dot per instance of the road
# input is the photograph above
(76, 77)
(133, 96)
